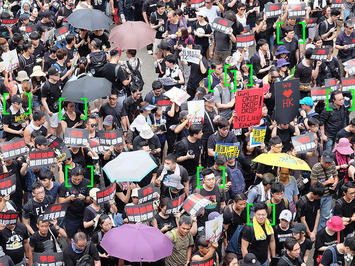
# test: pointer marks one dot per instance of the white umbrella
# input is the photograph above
(129, 166)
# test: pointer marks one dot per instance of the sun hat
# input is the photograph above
(174, 181)
(282, 62)
(146, 132)
(282, 50)
(37, 72)
(335, 223)
(22, 75)
(343, 147)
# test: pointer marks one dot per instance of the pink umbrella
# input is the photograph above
(132, 35)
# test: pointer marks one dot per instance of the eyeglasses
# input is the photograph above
(17, 103)
(112, 99)
(94, 125)
(243, 9)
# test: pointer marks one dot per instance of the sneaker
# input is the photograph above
(150, 52)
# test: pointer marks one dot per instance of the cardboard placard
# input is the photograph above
(248, 106)
(312, 22)
(140, 213)
(7, 185)
(147, 193)
(194, 204)
(174, 205)
(61, 33)
(48, 259)
(49, 35)
(197, 3)
(9, 22)
(352, 44)
(57, 145)
(320, 53)
(257, 137)
(350, 66)
(287, 100)
(319, 93)
(13, 148)
(304, 143)
(41, 158)
(197, 111)
(297, 10)
(208, 262)
(177, 95)
(8, 218)
(75, 137)
(11, 60)
(332, 83)
(273, 10)
(4, 175)
(108, 138)
(222, 25)
(96, 147)
(245, 40)
(55, 211)
(348, 83)
(191, 55)
(214, 229)
(167, 81)
(107, 194)
(338, 3)
(229, 150)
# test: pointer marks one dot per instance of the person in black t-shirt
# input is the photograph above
(340, 251)
(285, 132)
(131, 104)
(299, 232)
(114, 108)
(282, 230)
(63, 12)
(292, 256)
(103, 37)
(347, 132)
(279, 201)
(328, 28)
(77, 195)
(235, 214)
(27, 60)
(158, 20)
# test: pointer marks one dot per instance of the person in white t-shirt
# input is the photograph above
(211, 10)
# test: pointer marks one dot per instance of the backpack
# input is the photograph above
(175, 235)
(299, 205)
(269, 207)
(86, 259)
(184, 142)
(97, 60)
(334, 253)
(235, 244)
(137, 79)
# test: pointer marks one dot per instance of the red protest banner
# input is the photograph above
(55, 211)
(107, 194)
(248, 106)
(8, 218)
(140, 213)
(174, 205)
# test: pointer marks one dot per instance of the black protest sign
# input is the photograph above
(312, 22)
(107, 194)
(174, 205)
(140, 213)
(54, 211)
(57, 145)
(7, 185)
(350, 66)
(4, 175)
(164, 103)
(41, 158)
(208, 262)
(245, 40)
(75, 137)
(273, 10)
(304, 143)
(195, 203)
(96, 147)
(331, 83)
(348, 83)
(352, 44)
(197, 3)
(297, 10)
(248, 106)
(48, 259)
(320, 53)
(191, 55)
(61, 33)
(108, 138)
(9, 22)
(222, 25)
(286, 100)
(319, 93)
(13, 148)
(147, 193)
(337, 3)
(8, 218)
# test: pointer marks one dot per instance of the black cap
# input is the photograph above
(249, 259)
(164, 45)
(327, 157)
(40, 140)
(53, 71)
(209, 98)
(299, 228)
(24, 17)
(16, 99)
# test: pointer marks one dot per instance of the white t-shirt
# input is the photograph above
(211, 13)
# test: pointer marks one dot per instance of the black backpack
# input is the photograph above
(137, 79)
(97, 60)
(86, 259)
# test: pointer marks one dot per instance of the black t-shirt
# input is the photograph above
(130, 107)
(183, 147)
(283, 261)
(33, 209)
(323, 239)
(257, 247)
(303, 72)
(196, 76)
(99, 4)
(71, 123)
(278, 209)
(216, 196)
(70, 257)
(170, 221)
(325, 27)
(117, 112)
(222, 42)
(327, 258)
(154, 19)
(27, 64)
(76, 208)
(90, 213)
(44, 243)
(306, 245)
(48, 62)
(16, 197)
(292, 47)
(344, 134)
(103, 38)
(344, 209)
(164, 189)
(108, 71)
(12, 242)
(205, 29)
(280, 237)
(52, 91)
(231, 218)
(308, 209)
(15, 121)
(285, 135)
(149, 6)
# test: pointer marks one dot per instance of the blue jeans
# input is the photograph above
(325, 207)
(266, 263)
(329, 144)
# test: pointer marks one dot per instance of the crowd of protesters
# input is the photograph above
(314, 211)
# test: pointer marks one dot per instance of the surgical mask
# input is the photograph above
(167, 167)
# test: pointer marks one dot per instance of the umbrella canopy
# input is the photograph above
(137, 243)
(132, 35)
(282, 160)
(89, 19)
(129, 166)
(86, 87)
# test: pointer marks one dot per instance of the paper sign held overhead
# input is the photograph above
(75, 137)
(140, 213)
(297, 10)
(8, 218)
(214, 229)
(61, 33)
(148, 193)
(222, 25)
(41, 158)
(257, 137)
(304, 143)
(245, 40)
(11, 60)
(320, 53)
(107, 194)
(348, 83)
(108, 138)
(197, 111)
(177, 95)
(174, 205)
(55, 211)
(273, 10)
(13, 148)
(338, 3)
(7, 185)
(195, 203)
(229, 150)
(191, 55)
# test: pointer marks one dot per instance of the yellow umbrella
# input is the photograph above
(282, 160)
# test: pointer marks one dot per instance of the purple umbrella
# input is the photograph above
(137, 243)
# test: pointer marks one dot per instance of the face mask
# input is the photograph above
(167, 167)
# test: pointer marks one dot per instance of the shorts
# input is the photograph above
(72, 226)
(54, 120)
(155, 45)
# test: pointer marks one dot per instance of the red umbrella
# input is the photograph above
(132, 35)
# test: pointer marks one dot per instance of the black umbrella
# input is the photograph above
(89, 19)
(86, 87)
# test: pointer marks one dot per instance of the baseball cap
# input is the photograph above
(307, 101)
(299, 228)
(53, 71)
(327, 157)
(308, 53)
(16, 99)
(108, 120)
(134, 193)
(209, 98)
(40, 140)
(249, 259)
(92, 193)
(286, 215)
